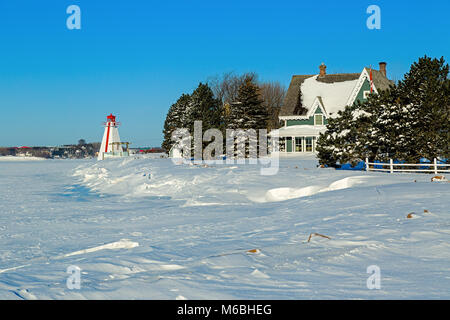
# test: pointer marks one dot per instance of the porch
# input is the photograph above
(299, 138)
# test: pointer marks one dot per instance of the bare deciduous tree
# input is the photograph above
(272, 93)
(226, 88)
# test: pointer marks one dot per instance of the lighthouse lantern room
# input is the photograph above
(111, 145)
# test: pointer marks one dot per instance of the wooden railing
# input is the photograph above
(432, 167)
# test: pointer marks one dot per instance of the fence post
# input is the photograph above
(391, 165)
(435, 166)
(367, 164)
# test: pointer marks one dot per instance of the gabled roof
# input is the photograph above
(380, 83)
(315, 87)
(335, 91)
(379, 80)
(318, 103)
(333, 94)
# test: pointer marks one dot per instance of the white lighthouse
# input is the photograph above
(111, 144)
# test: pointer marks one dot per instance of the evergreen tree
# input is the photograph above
(425, 92)
(376, 129)
(338, 143)
(203, 106)
(175, 119)
(248, 112)
(385, 132)
(405, 122)
(411, 120)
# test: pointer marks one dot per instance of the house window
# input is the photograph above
(308, 144)
(298, 144)
(366, 94)
(282, 144)
(318, 120)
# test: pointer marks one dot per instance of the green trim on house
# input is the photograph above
(364, 87)
(300, 122)
(309, 121)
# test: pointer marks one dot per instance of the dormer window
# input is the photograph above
(318, 120)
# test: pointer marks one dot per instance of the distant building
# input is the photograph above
(57, 152)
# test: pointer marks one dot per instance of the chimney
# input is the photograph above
(323, 69)
(383, 68)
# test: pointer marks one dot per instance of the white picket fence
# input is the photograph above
(432, 167)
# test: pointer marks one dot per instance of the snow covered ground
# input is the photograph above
(143, 228)
(19, 158)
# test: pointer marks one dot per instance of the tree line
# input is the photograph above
(223, 102)
(406, 122)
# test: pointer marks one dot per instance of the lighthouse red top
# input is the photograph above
(111, 121)
(111, 118)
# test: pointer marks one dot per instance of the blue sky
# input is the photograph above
(135, 58)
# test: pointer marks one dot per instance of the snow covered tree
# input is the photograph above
(378, 129)
(338, 143)
(175, 119)
(203, 106)
(425, 92)
(226, 89)
(248, 112)
(411, 120)
(406, 122)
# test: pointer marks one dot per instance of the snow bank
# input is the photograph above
(200, 185)
(122, 244)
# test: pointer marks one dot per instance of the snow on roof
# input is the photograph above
(300, 130)
(334, 95)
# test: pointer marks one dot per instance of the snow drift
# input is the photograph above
(143, 228)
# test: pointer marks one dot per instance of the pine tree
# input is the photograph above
(204, 107)
(175, 119)
(338, 144)
(248, 112)
(425, 92)
(386, 132)
(405, 122)
(376, 129)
